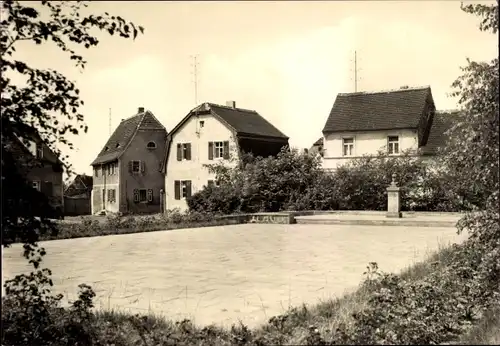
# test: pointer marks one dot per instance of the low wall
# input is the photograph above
(274, 218)
(288, 217)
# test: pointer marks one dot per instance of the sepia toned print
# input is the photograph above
(250, 173)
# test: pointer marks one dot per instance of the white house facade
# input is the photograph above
(391, 122)
(210, 134)
(200, 141)
(342, 147)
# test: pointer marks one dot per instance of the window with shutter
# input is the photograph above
(136, 195)
(150, 195)
(143, 195)
(177, 189)
(179, 152)
(188, 151)
(188, 188)
(135, 166)
(210, 150)
(226, 150)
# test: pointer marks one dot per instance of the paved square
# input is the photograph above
(221, 274)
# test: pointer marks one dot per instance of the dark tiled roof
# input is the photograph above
(87, 180)
(121, 137)
(318, 142)
(24, 131)
(246, 122)
(442, 122)
(384, 110)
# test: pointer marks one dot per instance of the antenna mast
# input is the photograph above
(355, 72)
(110, 121)
(195, 75)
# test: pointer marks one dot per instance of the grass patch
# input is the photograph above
(114, 224)
(487, 331)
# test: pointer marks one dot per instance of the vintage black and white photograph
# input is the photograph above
(250, 173)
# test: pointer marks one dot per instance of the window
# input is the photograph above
(136, 166)
(151, 145)
(182, 189)
(143, 195)
(202, 124)
(96, 171)
(183, 151)
(112, 168)
(36, 185)
(347, 146)
(218, 150)
(39, 151)
(112, 195)
(393, 145)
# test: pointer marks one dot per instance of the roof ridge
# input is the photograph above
(448, 111)
(229, 107)
(386, 91)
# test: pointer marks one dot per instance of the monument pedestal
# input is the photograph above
(394, 200)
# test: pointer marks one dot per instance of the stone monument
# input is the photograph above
(394, 199)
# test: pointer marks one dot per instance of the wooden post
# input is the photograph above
(394, 199)
(162, 201)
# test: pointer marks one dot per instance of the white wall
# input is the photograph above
(193, 169)
(365, 143)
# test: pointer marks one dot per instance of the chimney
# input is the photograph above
(231, 104)
(140, 110)
(404, 87)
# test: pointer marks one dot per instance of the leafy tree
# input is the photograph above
(472, 157)
(45, 103)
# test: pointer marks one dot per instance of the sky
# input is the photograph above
(286, 60)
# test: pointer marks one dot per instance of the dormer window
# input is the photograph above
(117, 145)
(151, 145)
(106, 148)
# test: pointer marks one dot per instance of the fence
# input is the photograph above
(76, 206)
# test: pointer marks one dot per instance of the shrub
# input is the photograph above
(295, 181)
(34, 317)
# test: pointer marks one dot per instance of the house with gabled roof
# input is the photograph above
(80, 185)
(211, 133)
(38, 164)
(127, 172)
(77, 195)
(317, 147)
(363, 123)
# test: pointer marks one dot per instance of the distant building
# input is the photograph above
(39, 165)
(77, 196)
(393, 121)
(208, 134)
(317, 147)
(127, 171)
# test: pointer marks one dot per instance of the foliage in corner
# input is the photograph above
(40, 105)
